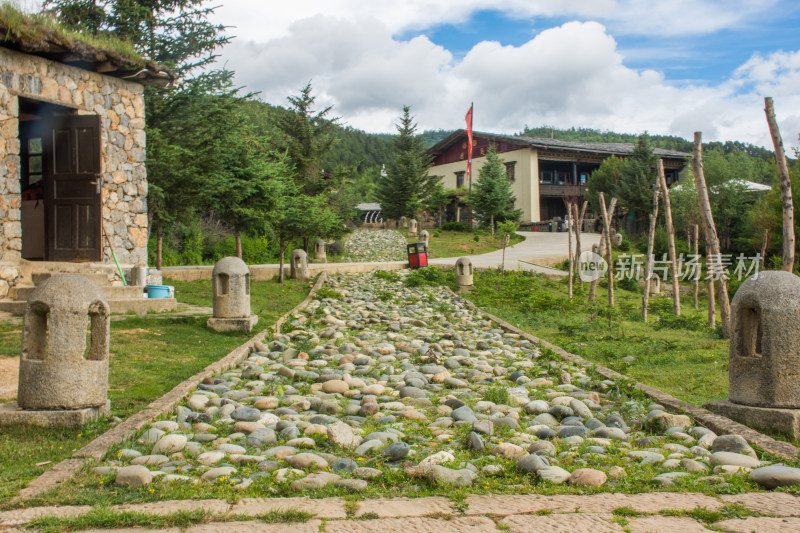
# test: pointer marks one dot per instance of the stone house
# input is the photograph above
(543, 171)
(73, 183)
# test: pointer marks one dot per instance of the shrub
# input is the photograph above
(430, 276)
(456, 226)
(387, 275)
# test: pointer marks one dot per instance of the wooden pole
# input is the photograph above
(764, 248)
(609, 259)
(578, 228)
(712, 241)
(676, 289)
(648, 268)
(593, 286)
(569, 240)
(712, 308)
(787, 263)
(696, 282)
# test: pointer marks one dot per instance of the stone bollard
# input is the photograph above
(655, 285)
(62, 380)
(412, 227)
(319, 251)
(424, 237)
(298, 265)
(764, 387)
(403, 222)
(464, 277)
(231, 296)
(616, 240)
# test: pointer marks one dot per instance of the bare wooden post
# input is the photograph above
(787, 263)
(696, 282)
(712, 307)
(676, 289)
(609, 259)
(569, 240)
(578, 229)
(648, 268)
(764, 248)
(712, 241)
(593, 286)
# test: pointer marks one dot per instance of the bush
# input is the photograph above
(430, 276)
(456, 226)
(387, 275)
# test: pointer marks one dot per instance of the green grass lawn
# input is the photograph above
(458, 243)
(149, 356)
(679, 355)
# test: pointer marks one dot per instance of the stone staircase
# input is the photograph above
(121, 299)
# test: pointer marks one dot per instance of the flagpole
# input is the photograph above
(469, 161)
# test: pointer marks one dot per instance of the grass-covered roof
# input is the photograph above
(42, 35)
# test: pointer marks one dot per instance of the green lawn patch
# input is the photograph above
(149, 356)
(679, 355)
(459, 243)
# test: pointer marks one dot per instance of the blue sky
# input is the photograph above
(705, 58)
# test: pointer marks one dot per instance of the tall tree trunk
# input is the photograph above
(491, 223)
(648, 264)
(569, 241)
(764, 248)
(159, 244)
(676, 289)
(609, 258)
(712, 308)
(306, 244)
(282, 251)
(238, 236)
(600, 248)
(696, 281)
(710, 231)
(787, 263)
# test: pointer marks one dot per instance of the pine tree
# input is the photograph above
(308, 136)
(177, 34)
(407, 185)
(492, 199)
(635, 190)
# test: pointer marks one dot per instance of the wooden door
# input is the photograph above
(73, 190)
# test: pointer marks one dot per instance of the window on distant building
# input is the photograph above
(510, 170)
(546, 176)
(460, 179)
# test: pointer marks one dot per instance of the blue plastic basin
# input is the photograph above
(157, 291)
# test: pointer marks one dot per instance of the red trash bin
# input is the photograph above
(417, 255)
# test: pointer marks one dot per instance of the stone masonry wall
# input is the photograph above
(120, 105)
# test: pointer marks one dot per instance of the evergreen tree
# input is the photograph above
(492, 199)
(635, 190)
(606, 179)
(177, 34)
(407, 185)
(308, 136)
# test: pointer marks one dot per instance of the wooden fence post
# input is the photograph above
(712, 242)
(787, 263)
(648, 265)
(676, 288)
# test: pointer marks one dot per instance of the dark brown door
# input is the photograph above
(73, 190)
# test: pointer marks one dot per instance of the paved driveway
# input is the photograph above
(535, 253)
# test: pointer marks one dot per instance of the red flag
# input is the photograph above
(468, 118)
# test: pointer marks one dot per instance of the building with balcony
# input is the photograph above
(543, 171)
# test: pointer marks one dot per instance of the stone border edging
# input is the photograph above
(716, 423)
(97, 448)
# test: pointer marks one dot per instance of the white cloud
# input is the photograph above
(259, 20)
(571, 75)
